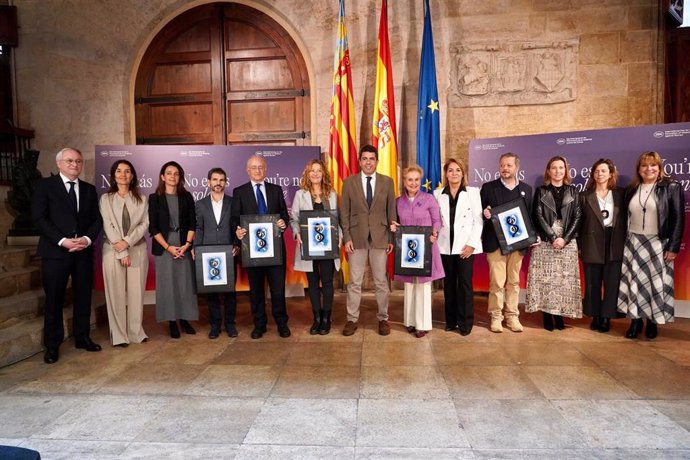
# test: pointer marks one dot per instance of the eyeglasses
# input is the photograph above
(70, 161)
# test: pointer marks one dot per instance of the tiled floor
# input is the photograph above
(564, 394)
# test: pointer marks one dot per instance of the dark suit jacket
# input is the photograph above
(56, 218)
(360, 222)
(159, 218)
(244, 202)
(592, 238)
(208, 231)
(491, 196)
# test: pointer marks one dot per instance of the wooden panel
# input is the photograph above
(169, 120)
(197, 38)
(258, 75)
(256, 116)
(182, 78)
(243, 36)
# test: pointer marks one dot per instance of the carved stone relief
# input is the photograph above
(493, 74)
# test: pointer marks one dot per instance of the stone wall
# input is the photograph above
(76, 60)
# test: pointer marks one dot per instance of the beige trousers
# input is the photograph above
(124, 294)
(417, 306)
(358, 264)
(504, 283)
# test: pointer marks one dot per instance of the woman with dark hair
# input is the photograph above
(458, 240)
(316, 193)
(125, 258)
(553, 278)
(172, 223)
(601, 241)
(656, 219)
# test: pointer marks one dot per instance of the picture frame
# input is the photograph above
(412, 251)
(262, 246)
(215, 268)
(320, 234)
(513, 226)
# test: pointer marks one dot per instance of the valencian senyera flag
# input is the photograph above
(428, 124)
(342, 145)
(384, 134)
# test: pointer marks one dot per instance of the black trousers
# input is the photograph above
(230, 303)
(458, 291)
(55, 274)
(275, 275)
(608, 277)
(320, 285)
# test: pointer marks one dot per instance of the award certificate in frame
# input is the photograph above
(513, 226)
(262, 246)
(215, 269)
(412, 254)
(319, 233)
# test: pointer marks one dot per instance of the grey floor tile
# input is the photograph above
(678, 411)
(403, 382)
(234, 381)
(268, 452)
(394, 453)
(536, 454)
(181, 451)
(329, 422)
(489, 382)
(194, 419)
(516, 424)
(624, 424)
(153, 378)
(577, 382)
(417, 353)
(59, 449)
(196, 349)
(315, 382)
(11, 441)
(647, 454)
(408, 423)
(23, 415)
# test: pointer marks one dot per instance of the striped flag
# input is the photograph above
(342, 145)
(385, 135)
(428, 124)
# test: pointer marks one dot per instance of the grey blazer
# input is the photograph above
(302, 202)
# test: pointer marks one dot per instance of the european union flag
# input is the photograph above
(428, 125)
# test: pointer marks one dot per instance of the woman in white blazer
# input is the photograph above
(458, 240)
(316, 192)
(125, 257)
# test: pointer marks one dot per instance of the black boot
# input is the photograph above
(316, 324)
(548, 321)
(634, 329)
(174, 330)
(651, 330)
(186, 327)
(325, 323)
(595, 323)
(605, 325)
(558, 321)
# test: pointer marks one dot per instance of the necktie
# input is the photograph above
(370, 193)
(126, 221)
(73, 195)
(260, 200)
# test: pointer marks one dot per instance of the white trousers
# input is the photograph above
(418, 306)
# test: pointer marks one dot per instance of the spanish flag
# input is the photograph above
(384, 134)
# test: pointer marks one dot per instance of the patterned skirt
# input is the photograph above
(553, 279)
(646, 289)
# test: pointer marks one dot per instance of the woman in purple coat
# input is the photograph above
(419, 208)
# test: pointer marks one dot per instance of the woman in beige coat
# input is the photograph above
(125, 257)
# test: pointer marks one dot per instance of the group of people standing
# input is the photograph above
(627, 240)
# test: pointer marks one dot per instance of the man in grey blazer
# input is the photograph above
(367, 211)
(213, 226)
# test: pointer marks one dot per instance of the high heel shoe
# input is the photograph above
(605, 325)
(548, 321)
(558, 321)
(174, 330)
(596, 323)
(634, 329)
(186, 327)
(651, 330)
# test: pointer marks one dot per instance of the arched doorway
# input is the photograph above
(222, 73)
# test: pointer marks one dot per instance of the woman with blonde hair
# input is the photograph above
(656, 220)
(316, 193)
(458, 240)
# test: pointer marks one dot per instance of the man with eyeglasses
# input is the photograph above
(65, 210)
(261, 197)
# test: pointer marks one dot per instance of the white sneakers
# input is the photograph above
(496, 325)
(512, 323)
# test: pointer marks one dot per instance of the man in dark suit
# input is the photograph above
(261, 197)
(367, 211)
(213, 227)
(504, 270)
(65, 210)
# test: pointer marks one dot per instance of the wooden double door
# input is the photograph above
(222, 73)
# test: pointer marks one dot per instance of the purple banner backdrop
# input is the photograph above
(582, 149)
(284, 167)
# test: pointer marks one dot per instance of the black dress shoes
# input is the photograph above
(596, 323)
(604, 324)
(186, 327)
(465, 331)
(214, 332)
(651, 330)
(284, 331)
(51, 356)
(450, 328)
(558, 322)
(174, 330)
(258, 332)
(634, 329)
(88, 345)
(232, 331)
